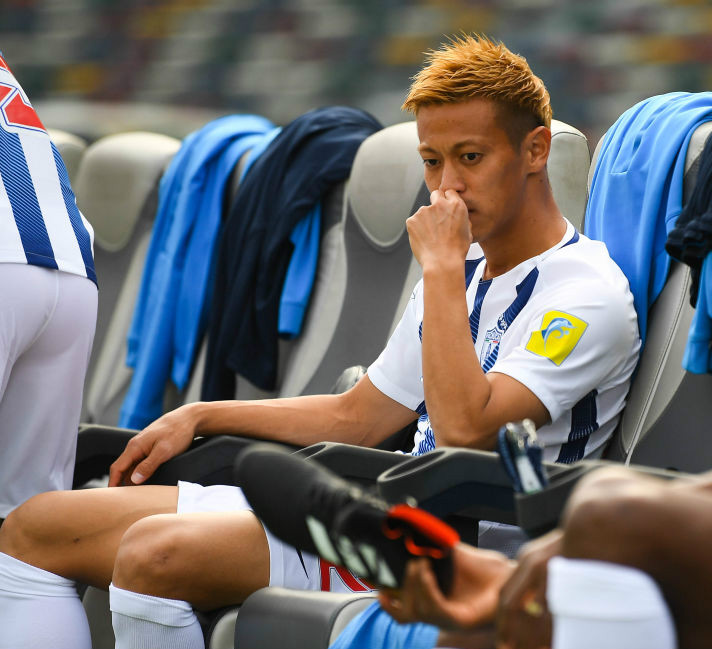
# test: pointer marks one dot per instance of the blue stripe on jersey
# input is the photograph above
(584, 422)
(23, 200)
(524, 292)
(482, 289)
(573, 239)
(470, 268)
(428, 441)
(80, 231)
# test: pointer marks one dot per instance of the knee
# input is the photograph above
(609, 515)
(151, 557)
(28, 529)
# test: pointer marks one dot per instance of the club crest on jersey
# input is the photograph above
(557, 337)
(493, 337)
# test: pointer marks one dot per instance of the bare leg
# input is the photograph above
(208, 559)
(76, 534)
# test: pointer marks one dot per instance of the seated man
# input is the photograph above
(626, 540)
(517, 316)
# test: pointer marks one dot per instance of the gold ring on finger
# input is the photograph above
(533, 608)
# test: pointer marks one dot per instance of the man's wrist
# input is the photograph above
(196, 414)
(443, 267)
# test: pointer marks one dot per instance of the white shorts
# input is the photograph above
(47, 323)
(288, 567)
(600, 605)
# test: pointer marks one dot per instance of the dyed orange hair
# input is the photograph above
(469, 67)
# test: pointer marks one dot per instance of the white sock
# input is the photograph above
(599, 605)
(39, 609)
(148, 622)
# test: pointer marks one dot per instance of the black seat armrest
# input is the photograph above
(537, 513)
(355, 463)
(449, 481)
(208, 460)
(97, 447)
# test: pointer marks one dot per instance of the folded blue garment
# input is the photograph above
(375, 629)
(636, 189)
(171, 307)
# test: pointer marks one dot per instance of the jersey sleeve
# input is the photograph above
(575, 339)
(398, 371)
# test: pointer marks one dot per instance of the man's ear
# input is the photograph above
(537, 145)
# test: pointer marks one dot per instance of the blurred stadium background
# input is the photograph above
(100, 66)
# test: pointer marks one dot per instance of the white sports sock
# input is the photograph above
(600, 605)
(148, 622)
(39, 609)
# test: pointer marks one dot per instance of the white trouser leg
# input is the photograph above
(148, 622)
(599, 605)
(39, 609)
(47, 323)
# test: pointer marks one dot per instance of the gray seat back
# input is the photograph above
(568, 166)
(279, 617)
(71, 147)
(116, 188)
(665, 422)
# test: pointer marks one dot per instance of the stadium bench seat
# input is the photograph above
(366, 245)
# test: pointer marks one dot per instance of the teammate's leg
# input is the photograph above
(55, 539)
(208, 559)
(213, 553)
(168, 564)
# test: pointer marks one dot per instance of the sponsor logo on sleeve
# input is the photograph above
(557, 337)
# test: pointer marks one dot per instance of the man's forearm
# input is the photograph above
(363, 415)
(298, 420)
(456, 389)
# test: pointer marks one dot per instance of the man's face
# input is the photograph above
(464, 148)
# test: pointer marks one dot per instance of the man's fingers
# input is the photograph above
(123, 464)
(160, 452)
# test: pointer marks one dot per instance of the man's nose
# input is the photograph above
(451, 178)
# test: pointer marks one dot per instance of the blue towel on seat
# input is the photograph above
(636, 190)
(171, 308)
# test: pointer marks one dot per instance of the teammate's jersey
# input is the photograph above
(40, 223)
(561, 323)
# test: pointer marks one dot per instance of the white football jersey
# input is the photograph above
(40, 223)
(561, 323)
